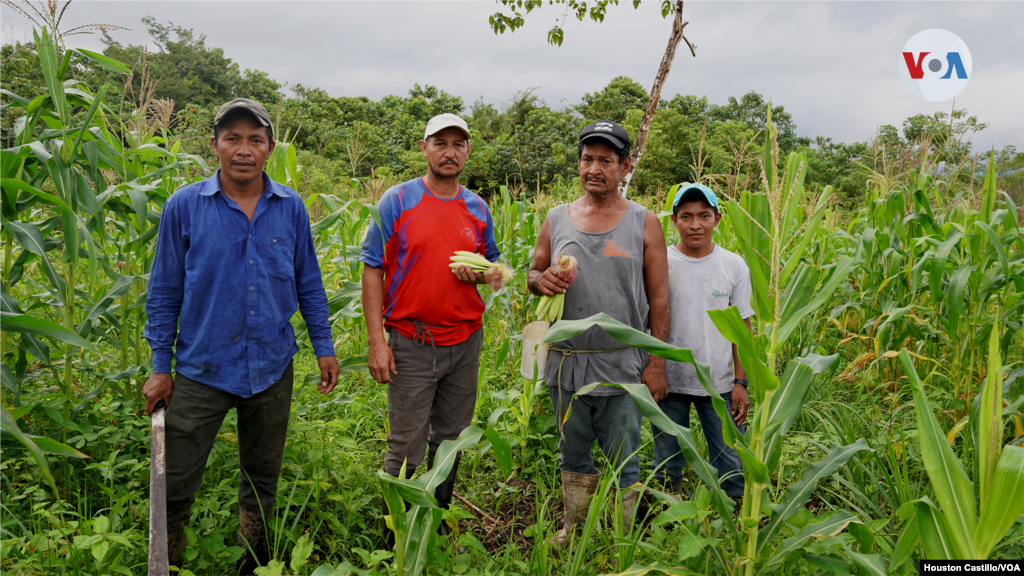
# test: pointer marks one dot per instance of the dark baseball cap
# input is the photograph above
(251, 106)
(606, 130)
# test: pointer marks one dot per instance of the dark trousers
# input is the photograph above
(669, 461)
(432, 397)
(194, 417)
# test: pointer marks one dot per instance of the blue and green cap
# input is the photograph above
(691, 192)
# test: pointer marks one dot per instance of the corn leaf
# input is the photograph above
(988, 194)
(42, 327)
(649, 408)
(786, 405)
(938, 264)
(1005, 501)
(934, 534)
(871, 564)
(791, 318)
(953, 488)
(8, 425)
(445, 457)
(105, 61)
(829, 527)
(990, 413)
(997, 245)
(793, 258)
(955, 297)
(798, 493)
(734, 330)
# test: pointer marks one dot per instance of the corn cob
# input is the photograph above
(496, 273)
(550, 308)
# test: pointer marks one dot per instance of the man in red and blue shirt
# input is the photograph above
(433, 318)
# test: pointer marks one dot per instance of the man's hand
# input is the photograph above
(329, 371)
(740, 404)
(466, 274)
(158, 387)
(654, 378)
(551, 283)
(381, 362)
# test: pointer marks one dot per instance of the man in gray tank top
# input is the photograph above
(623, 271)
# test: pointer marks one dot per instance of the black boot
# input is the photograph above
(444, 490)
(252, 537)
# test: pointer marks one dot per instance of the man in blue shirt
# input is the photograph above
(234, 259)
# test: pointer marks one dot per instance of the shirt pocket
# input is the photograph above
(280, 252)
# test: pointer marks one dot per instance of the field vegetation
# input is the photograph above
(886, 364)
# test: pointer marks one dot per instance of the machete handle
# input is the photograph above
(159, 404)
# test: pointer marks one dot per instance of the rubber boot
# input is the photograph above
(629, 501)
(252, 533)
(577, 492)
(676, 488)
(176, 543)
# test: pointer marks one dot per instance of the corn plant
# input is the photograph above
(415, 526)
(969, 521)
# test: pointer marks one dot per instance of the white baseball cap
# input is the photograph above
(442, 121)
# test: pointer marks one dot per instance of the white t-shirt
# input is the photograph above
(695, 285)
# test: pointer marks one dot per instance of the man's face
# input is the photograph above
(600, 170)
(446, 153)
(243, 146)
(695, 221)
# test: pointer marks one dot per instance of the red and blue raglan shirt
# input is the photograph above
(420, 233)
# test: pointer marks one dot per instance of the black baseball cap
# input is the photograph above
(606, 130)
(251, 106)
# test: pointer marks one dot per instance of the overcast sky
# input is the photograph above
(833, 65)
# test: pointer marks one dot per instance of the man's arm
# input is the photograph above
(309, 288)
(656, 283)
(381, 361)
(165, 292)
(542, 279)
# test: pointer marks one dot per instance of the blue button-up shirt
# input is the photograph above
(226, 288)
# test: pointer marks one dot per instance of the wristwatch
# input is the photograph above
(740, 381)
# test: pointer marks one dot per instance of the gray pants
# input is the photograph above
(614, 421)
(193, 420)
(432, 397)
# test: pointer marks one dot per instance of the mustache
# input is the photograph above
(240, 163)
(452, 162)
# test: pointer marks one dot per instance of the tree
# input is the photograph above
(614, 101)
(596, 11)
(185, 69)
(751, 109)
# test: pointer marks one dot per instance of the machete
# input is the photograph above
(158, 497)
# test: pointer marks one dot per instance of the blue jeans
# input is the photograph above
(614, 421)
(670, 461)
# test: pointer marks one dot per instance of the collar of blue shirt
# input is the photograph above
(212, 185)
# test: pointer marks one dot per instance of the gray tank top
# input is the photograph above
(610, 280)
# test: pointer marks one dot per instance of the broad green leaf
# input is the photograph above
(990, 412)
(938, 264)
(15, 184)
(997, 245)
(8, 424)
(871, 564)
(105, 61)
(785, 407)
(953, 488)
(734, 330)
(43, 327)
(818, 363)
(933, 533)
(565, 329)
(798, 493)
(988, 189)
(791, 318)
(676, 513)
(300, 553)
(1005, 502)
(48, 62)
(31, 239)
(445, 457)
(955, 296)
(908, 540)
(412, 491)
(501, 450)
(97, 102)
(829, 527)
(794, 256)
(645, 402)
(117, 290)
(51, 446)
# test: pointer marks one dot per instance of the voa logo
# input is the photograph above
(935, 65)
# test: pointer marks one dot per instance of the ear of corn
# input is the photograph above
(496, 273)
(550, 308)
